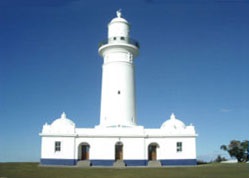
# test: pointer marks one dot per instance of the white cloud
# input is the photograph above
(225, 110)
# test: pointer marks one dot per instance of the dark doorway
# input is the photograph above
(84, 150)
(152, 151)
(119, 151)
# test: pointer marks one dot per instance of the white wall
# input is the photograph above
(102, 144)
(137, 148)
(67, 148)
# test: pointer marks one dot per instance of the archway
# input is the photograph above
(152, 151)
(84, 151)
(119, 151)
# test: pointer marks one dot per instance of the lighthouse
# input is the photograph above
(118, 100)
(118, 141)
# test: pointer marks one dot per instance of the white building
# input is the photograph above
(118, 140)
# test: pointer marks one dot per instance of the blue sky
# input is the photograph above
(194, 61)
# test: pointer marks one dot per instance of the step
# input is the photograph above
(84, 163)
(119, 163)
(154, 164)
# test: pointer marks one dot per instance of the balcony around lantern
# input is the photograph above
(119, 40)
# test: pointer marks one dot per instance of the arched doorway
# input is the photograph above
(152, 151)
(84, 151)
(119, 151)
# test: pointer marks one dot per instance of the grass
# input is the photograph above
(33, 170)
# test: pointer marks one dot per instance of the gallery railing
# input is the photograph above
(120, 39)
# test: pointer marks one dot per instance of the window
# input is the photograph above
(179, 146)
(57, 146)
(122, 38)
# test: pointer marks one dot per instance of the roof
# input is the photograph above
(173, 124)
(63, 121)
(118, 18)
(60, 125)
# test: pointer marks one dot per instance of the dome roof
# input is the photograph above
(63, 121)
(173, 123)
(118, 18)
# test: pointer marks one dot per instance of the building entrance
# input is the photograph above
(152, 152)
(84, 150)
(119, 151)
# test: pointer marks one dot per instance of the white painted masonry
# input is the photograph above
(118, 137)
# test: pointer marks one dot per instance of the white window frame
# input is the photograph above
(57, 146)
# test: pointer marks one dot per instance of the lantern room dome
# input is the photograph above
(118, 18)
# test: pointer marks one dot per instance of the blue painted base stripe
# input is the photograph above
(69, 162)
(178, 162)
(102, 162)
(136, 162)
(166, 162)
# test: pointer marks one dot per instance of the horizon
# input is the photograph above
(193, 62)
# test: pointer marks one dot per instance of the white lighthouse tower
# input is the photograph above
(118, 105)
(118, 140)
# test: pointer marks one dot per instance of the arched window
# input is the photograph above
(84, 151)
(119, 151)
(152, 151)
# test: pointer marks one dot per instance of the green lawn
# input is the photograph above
(32, 170)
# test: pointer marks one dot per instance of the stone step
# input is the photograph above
(119, 163)
(154, 164)
(84, 163)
